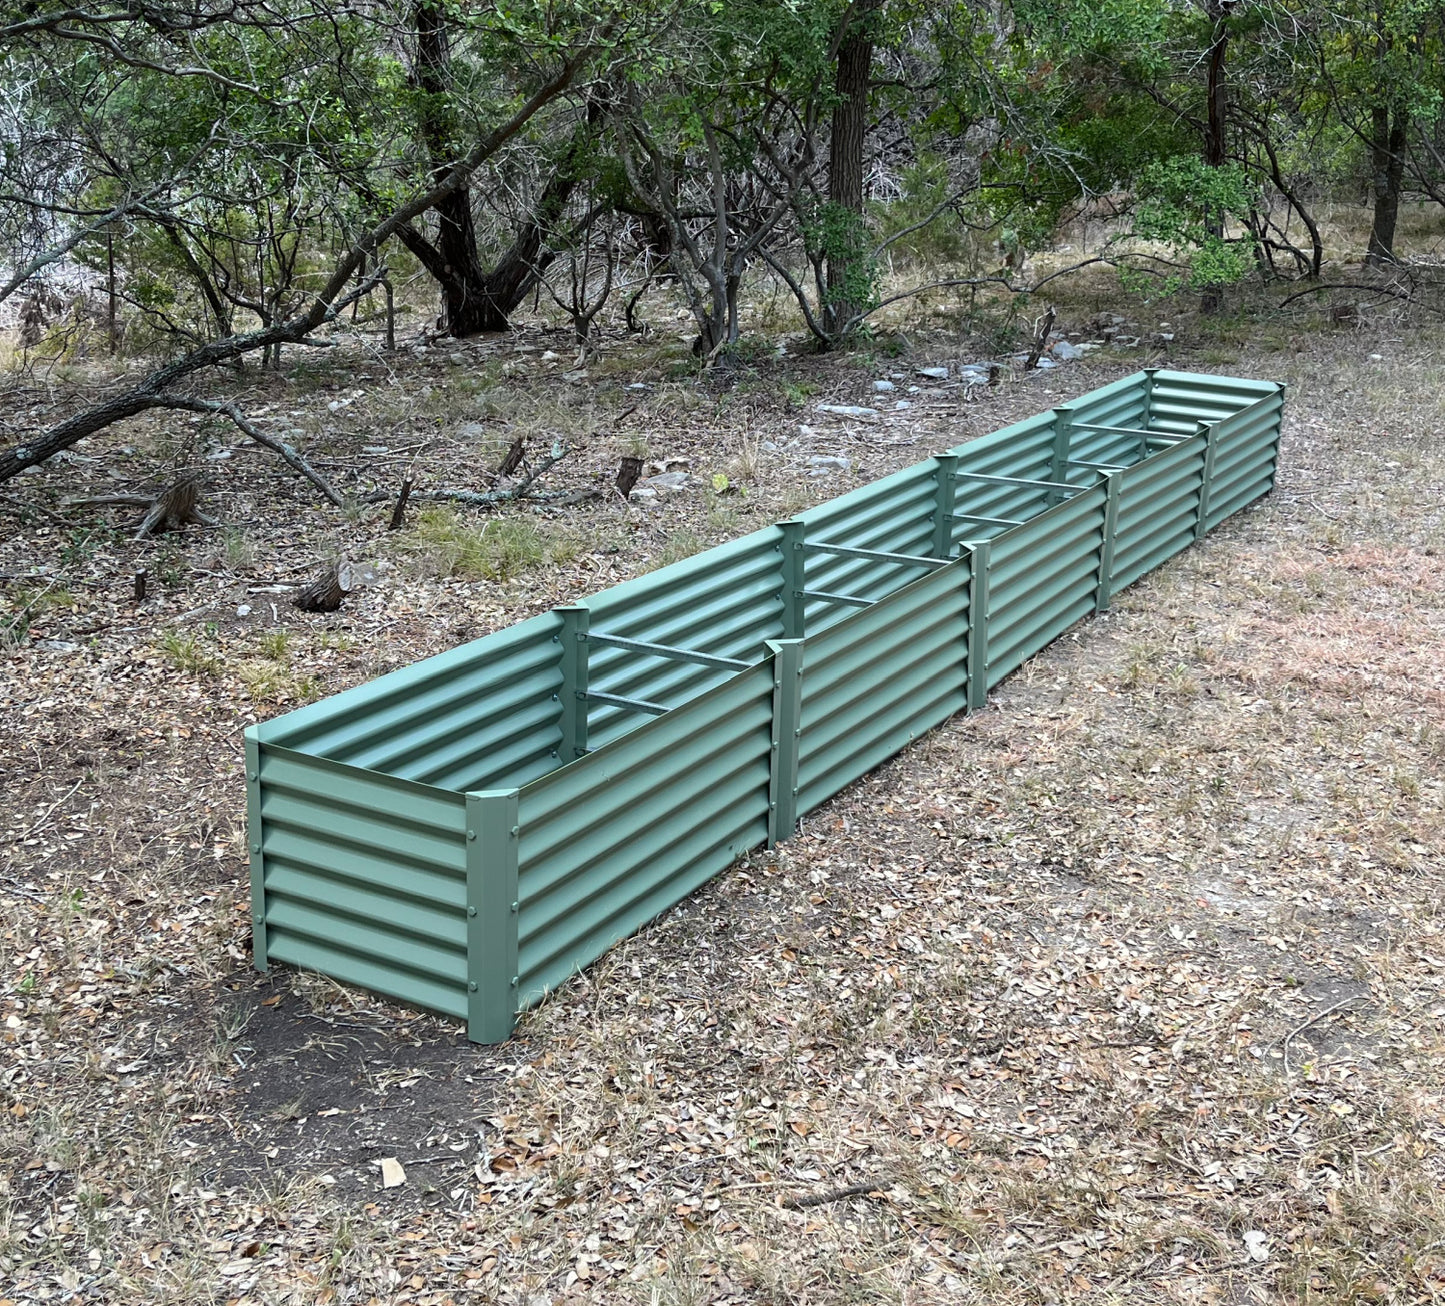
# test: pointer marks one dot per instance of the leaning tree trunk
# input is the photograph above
(1387, 164)
(845, 172)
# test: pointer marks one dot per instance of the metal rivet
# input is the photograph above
(516, 906)
(795, 791)
(471, 834)
(772, 807)
(471, 911)
(472, 987)
(250, 775)
(516, 830)
(798, 732)
(255, 847)
(516, 979)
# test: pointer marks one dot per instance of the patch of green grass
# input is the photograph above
(186, 653)
(498, 549)
(275, 644)
(680, 544)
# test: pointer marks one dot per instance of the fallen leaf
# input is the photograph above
(392, 1175)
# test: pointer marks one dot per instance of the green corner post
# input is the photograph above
(979, 551)
(492, 915)
(793, 563)
(1104, 594)
(576, 620)
(253, 837)
(787, 733)
(1210, 432)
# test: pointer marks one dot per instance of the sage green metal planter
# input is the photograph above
(464, 834)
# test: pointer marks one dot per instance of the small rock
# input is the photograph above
(882, 387)
(1166, 336)
(638, 385)
(1065, 352)
(913, 389)
(1045, 363)
(549, 356)
(1377, 358)
(392, 1174)
(575, 378)
(244, 610)
(934, 373)
(669, 481)
(806, 431)
(57, 645)
(901, 405)
(829, 462)
(847, 410)
(767, 446)
(374, 448)
(642, 492)
(456, 360)
(471, 431)
(1256, 1243)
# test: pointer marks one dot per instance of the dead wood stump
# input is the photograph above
(175, 509)
(627, 475)
(327, 592)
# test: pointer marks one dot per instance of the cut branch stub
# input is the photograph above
(513, 459)
(627, 475)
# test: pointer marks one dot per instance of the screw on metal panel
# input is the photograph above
(472, 987)
(471, 911)
(772, 807)
(255, 847)
(516, 830)
(471, 834)
(250, 775)
(516, 979)
(797, 732)
(556, 639)
(581, 637)
(554, 698)
(516, 906)
(795, 791)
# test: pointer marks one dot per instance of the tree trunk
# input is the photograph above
(845, 168)
(1387, 164)
(1217, 107)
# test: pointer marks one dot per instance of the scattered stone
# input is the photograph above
(668, 482)
(934, 373)
(847, 410)
(244, 610)
(471, 431)
(456, 360)
(1065, 352)
(901, 405)
(767, 446)
(1166, 336)
(830, 463)
(57, 645)
(576, 377)
(882, 387)
(913, 389)
(392, 1174)
(638, 385)
(550, 356)
(1377, 358)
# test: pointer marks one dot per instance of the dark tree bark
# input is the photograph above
(1217, 108)
(847, 139)
(1387, 166)
(476, 299)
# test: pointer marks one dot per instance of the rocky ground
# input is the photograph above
(1127, 987)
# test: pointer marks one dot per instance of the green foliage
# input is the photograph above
(1182, 204)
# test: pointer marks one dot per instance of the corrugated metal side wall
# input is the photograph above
(1245, 456)
(1158, 509)
(481, 715)
(363, 877)
(873, 683)
(617, 837)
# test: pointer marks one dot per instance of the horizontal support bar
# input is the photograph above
(877, 555)
(1022, 480)
(852, 600)
(617, 700)
(667, 651)
(1112, 430)
(987, 521)
(1101, 467)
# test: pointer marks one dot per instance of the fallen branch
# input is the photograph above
(835, 1195)
(484, 498)
(1391, 292)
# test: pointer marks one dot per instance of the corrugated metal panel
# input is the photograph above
(879, 679)
(1158, 509)
(1181, 400)
(894, 515)
(725, 602)
(622, 834)
(1042, 578)
(1025, 450)
(364, 878)
(481, 716)
(1245, 457)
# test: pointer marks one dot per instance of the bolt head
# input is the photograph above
(471, 911)
(472, 987)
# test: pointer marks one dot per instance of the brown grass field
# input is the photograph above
(1125, 989)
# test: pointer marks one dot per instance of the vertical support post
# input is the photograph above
(792, 569)
(787, 732)
(944, 503)
(1210, 432)
(1059, 463)
(492, 909)
(1113, 483)
(253, 837)
(575, 622)
(979, 552)
(1148, 398)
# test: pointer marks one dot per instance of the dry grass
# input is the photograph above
(1123, 990)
